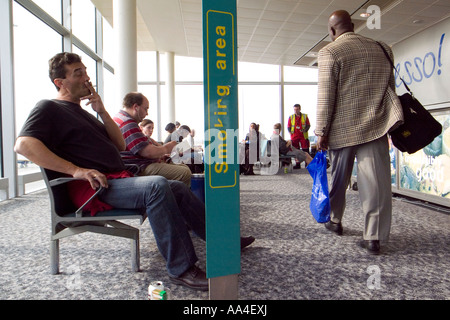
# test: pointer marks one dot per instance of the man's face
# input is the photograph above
(76, 80)
(297, 109)
(141, 111)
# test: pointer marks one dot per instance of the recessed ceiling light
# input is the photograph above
(418, 21)
(365, 15)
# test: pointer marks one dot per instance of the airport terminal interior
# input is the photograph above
(157, 47)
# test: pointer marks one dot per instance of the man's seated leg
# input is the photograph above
(193, 211)
(170, 171)
(191, 207)
(153, 193)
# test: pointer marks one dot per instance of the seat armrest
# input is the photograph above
(58, 181)
(79, 212)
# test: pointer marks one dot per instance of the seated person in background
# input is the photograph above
(191, 157)
(60, 135)
(197, 148)
(286, 148)
(171, 129)
(147, 127)
(252, 149)
(150, 158)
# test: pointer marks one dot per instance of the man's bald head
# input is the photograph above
(339, 22)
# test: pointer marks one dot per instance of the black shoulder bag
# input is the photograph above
(419, 128)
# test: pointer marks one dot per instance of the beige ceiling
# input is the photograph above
(285, 32)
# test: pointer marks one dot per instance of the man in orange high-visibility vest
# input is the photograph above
(298, 126)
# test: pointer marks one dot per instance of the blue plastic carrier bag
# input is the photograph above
(320, 201)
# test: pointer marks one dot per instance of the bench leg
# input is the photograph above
(135, 254)
(54, 256)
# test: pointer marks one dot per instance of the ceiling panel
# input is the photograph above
(288, 32)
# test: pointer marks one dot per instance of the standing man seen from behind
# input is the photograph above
(357, 106)
(60, 135)
(298, 126)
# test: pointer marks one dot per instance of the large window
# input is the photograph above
(300, 74)
(259, 104)
(260, 89)
(35, 43)
(109, 100)
(306, 96)
(189, 104)
(83, 22)
(256, 72)
(146, 66)
(108, 41)
(32, 82)
(37, 38)
(148, 86)
(188, 69)
(52, 7)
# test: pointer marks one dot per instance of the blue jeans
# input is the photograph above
(170, 207)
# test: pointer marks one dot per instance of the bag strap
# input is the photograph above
(392, 64)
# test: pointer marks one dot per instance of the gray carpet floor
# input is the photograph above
(293, 257)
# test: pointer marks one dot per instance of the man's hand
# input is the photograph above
(322, 143)
(95, 178)
(94, 99)
(170, 146)
(113, 130)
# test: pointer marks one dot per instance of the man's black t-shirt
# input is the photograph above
(74, 135)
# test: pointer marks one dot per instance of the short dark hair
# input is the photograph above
(133, 98)
(170, 127)
(57, 65)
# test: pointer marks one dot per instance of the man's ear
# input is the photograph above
(333, 31)
(58, 82)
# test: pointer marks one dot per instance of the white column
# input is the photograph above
(160, 132)
(281, 110)
(171, 86)
(125, 33)
(8, 115)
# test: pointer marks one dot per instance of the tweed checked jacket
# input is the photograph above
(356, 102)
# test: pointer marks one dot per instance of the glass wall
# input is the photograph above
(35, 43)
(306, 96)
(83, 22)
(259, 104)
(36, 38)
(31, 68)
(260, 90)
(52, 7)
